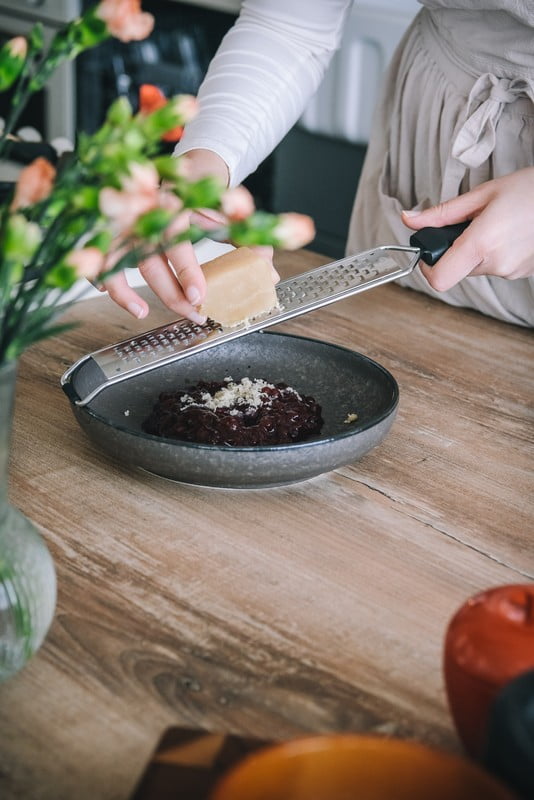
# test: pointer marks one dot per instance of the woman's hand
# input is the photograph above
(175, 278)
(500, 239)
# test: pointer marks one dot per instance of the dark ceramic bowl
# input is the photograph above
(342, 382)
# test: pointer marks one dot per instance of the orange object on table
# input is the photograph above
(489, 641)
(348, 766)
(150, 99)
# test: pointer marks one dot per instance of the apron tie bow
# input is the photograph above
(475, 140)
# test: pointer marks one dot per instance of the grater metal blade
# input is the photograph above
(298, 295)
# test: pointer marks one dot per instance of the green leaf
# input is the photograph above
(152, 224)
(85, 199)
(36, 38)
(205, 193)
(258, 229)
(90, 30)
(119, 112)
(102, 241)
(61, 276)
(26, 338)
(168, 167)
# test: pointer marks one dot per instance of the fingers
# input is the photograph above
(499, 240)
(181, 289)
(184, 263)
(177, 280)
(459, 209)
(121, 293)
(458, 262)
(208, 219)
(267, 252)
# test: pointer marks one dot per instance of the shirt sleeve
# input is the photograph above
(267, 66)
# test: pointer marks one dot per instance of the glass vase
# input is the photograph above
(27, 572)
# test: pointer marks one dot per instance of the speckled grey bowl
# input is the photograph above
(342, 381)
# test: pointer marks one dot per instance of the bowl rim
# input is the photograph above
(313, 441)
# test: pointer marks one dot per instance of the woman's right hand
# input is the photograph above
(176, 277)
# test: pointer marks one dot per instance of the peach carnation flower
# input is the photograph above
(125, 20)
(88, 262)
(34, 184)
(294, 230)
(18, 46)
(139, 194)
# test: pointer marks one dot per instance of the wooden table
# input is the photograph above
(317, 607)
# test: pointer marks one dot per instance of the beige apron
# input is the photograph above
(449, 119)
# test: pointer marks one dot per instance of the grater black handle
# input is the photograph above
(434, 242)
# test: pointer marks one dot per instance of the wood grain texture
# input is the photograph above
(321, 606)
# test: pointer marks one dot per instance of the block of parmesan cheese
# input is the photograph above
(239, 287)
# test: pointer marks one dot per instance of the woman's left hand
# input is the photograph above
(500, 239)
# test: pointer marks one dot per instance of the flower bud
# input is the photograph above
(125, 20)
(169, 168)
(237, 203)
(34, 184)
(86, 199)
(87, 261)
(133, 141)
(18, 46)
(119, 112)
(156, 124)
(21, 239)
(12, 58)
(293, 231)
(61, 276)
(205, 193)
(152, 224)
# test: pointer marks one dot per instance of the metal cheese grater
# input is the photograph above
(306, 292)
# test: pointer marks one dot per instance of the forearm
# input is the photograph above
(257, 86)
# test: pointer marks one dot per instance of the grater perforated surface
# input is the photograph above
(298, 295)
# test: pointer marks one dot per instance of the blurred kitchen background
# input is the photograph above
(315, 169)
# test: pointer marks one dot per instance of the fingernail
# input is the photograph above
(194, 316)
(193, 295)
(410, 213)
(136, 310)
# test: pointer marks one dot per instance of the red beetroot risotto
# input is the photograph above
(235, 413)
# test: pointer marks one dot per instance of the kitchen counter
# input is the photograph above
(320, 606)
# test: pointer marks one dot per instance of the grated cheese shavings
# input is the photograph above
(246, 392)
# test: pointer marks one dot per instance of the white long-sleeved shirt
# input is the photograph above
(267, 67)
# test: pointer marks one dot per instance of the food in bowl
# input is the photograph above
(243, 413)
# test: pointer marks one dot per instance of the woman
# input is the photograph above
(453, 139)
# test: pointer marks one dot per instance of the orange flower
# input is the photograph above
(34, 184)
(150, 99)
(125, 20)
(294, 230)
